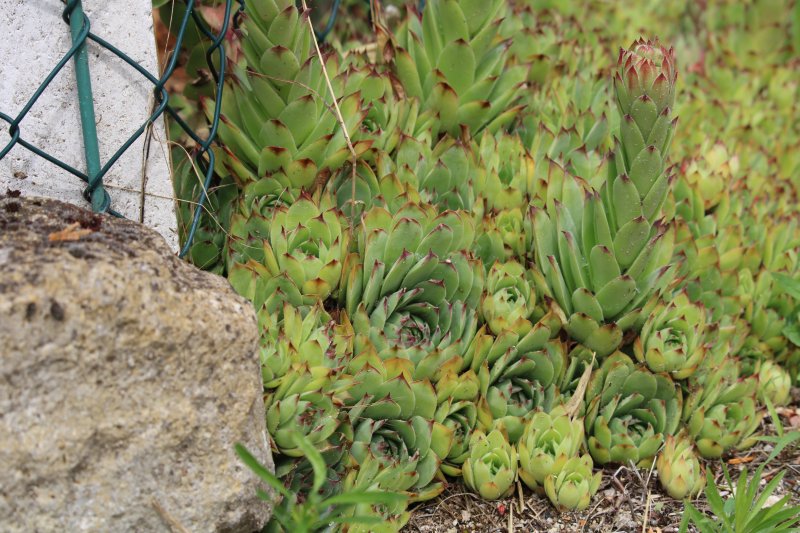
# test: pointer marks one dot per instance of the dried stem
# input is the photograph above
(338, 113)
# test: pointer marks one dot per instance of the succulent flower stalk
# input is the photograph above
(605, 253)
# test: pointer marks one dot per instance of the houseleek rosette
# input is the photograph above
(313, 414)
(412, 449)
(303, 352)
(460, 417)
(412, 287)
(508, 180)
(709, 174)
(517, 383)
(679, 469)
(575, 484)
(276, 127)
(722, 411)
(502, 237)
(384, 390)
(510, 301)
(491, 468)
(548, 442)
(630, 412)
(605, 254)
(774, 383)
(291, 254)
(450, 59)
(376, 473)
(673, 338)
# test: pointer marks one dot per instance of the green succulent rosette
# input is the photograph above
(412, 287)
(315, 415)
(450, 59)
(774, 383)
(443, 175)
(302, 350)
(548, 442)
(461, 418)
(517, 383)
(605, 253)
(672, 339)
(447, 175)
(630, 412)
(708, 174)
(376, 473)
(387, 191)
(601, 278)
(292, 254)
(491, 468)
(722, 412)
(380, 389)
(679, 470)
(573, 487)
(276, 127)
(502, 237)
(509, 178)
(412, 448)
(510, 301)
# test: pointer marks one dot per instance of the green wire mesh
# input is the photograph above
(95, 193)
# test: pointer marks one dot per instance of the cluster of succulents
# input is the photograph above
(506, 206)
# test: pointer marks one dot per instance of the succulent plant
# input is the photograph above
(302, 350)
(491, 468)
(313, 414)
(502, 237)
(427, 310)
(517, 383)
(412, 287)
(721, 412)
(460, 417)
(672, 339)
(604, 254)
(449, 59)
(276, 125)
(679, 469)
(630, 411)
(300, 248)
(508, 181)
(573, 487)
(774, 383)
(409, 447)
(548, 442)
(510, 301)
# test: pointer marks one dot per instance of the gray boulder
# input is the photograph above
(126, 378)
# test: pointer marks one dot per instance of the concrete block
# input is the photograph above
(34, 39)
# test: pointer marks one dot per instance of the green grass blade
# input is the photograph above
(265, 475)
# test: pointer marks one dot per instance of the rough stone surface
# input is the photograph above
(126, 377)
(34, 40)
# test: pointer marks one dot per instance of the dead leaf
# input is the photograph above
(741, 460)
(70, 233)
(791, 415)
(574, 403)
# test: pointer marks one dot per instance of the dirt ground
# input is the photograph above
(629, 500)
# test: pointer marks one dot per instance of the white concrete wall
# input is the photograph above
(33, 37)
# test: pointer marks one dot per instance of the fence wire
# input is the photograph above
(80, 28)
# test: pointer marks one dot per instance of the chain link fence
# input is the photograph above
(80, 28)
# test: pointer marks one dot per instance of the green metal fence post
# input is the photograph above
(86, 102)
